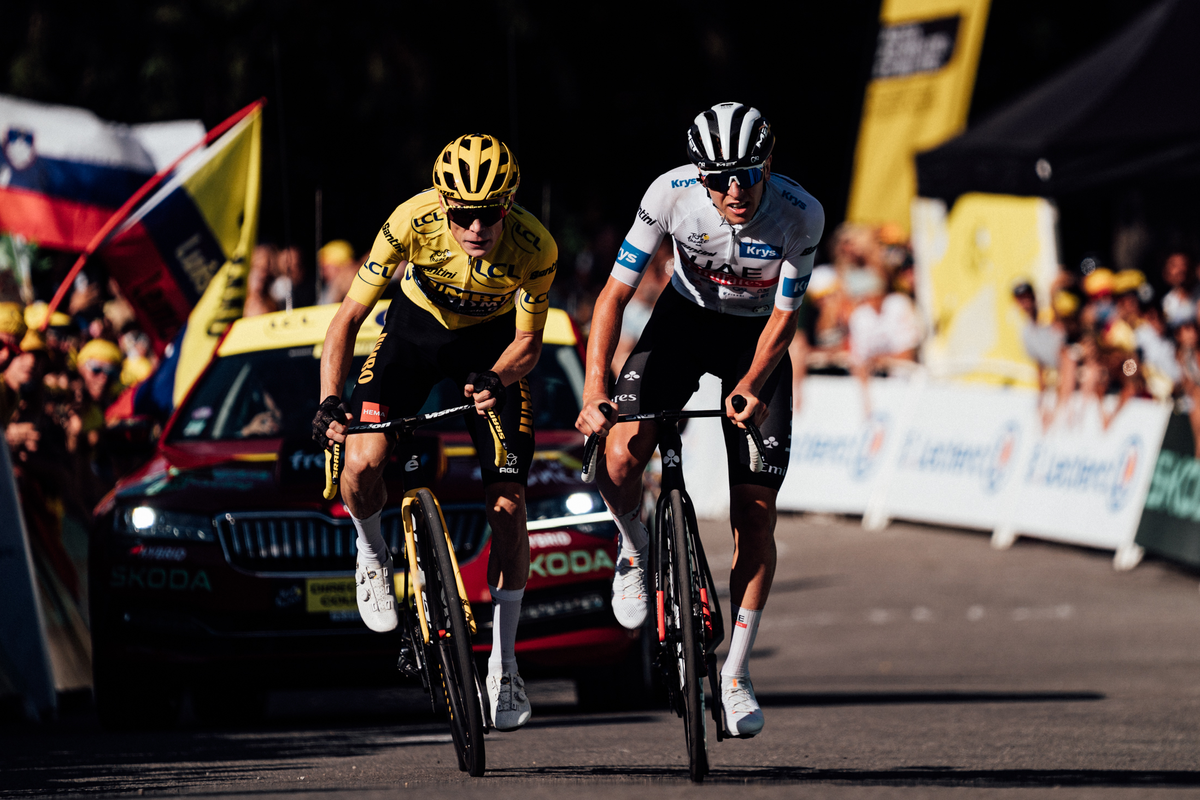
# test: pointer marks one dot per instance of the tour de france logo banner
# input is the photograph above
(918, 97)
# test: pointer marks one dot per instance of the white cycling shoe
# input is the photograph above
(508, 702)
(739, 708)
(629, 591)
(376, 594)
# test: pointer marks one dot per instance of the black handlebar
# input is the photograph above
(754, 438)
(753, 435)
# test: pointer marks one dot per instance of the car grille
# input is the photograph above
(309, 542)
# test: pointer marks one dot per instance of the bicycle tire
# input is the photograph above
(691, 628)
(450, 646)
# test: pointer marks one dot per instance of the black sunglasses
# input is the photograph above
(465, 216)
(719, 181)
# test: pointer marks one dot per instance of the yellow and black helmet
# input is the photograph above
(476, 168)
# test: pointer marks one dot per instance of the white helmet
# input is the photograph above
(730, 136)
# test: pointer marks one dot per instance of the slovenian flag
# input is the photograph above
(64, 171)
(183, 255)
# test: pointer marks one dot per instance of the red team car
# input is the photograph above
(217, 568)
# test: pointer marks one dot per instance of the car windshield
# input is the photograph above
(273, 393)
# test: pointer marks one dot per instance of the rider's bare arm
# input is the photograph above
(337, 354)
(772, 344)
(602, 343)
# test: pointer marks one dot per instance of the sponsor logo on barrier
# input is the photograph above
(1112, 478)
(576, 562)
(988, 461)
(857, 453)
(1175, 489)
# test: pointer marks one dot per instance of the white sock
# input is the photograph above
(634, 536)
(506, 613)
(744, 630)
(372, 550)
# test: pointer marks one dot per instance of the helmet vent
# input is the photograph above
(464, 171)
(484, 169)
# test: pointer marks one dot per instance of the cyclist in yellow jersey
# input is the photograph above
(475, 273)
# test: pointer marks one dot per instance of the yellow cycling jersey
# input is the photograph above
(455, 288)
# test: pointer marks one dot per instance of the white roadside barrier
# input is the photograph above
(952, 454)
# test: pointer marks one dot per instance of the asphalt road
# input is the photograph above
(913, 662)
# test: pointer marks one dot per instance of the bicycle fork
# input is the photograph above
(408, 507)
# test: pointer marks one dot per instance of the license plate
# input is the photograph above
(333, 595)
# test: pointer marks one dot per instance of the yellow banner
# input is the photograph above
(919, 95)
(226, 192)
(967, 263)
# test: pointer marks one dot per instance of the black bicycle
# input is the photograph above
(436, 620)
(688, 615)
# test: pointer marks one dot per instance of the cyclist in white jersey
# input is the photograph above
(744, 241)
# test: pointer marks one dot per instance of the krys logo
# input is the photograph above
(988, 461)
(1111, 478)
(757, 250)
(858, 453)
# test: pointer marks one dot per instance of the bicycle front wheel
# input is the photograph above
(450, 657)
(691, 646)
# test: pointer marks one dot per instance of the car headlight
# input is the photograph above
(584, 511)
(151, 523)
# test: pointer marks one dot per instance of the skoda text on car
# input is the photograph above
(218, 568)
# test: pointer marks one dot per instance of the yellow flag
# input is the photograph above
(967, 263)
(919, 95)
(225, 190)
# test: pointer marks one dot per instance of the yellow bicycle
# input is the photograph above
(435, 614)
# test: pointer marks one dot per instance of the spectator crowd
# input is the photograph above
(1104, 332)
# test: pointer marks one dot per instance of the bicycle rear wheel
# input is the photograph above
(691, 646)
(450, 657)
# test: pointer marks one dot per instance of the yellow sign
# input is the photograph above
(967, 262)
(919, 95)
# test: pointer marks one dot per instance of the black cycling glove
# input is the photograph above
(488, 381)
(331, 409)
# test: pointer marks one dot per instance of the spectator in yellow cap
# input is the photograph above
(338, 267)
(12, 328)
(99, 364)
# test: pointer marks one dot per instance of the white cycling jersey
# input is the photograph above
(744, 270)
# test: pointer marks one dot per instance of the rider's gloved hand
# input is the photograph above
(488, 381)
(332, 410)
